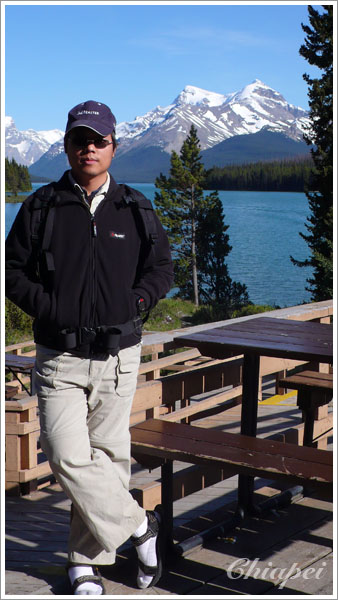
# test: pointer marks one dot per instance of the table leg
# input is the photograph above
(167, 500)
(248, 425)
(15, 374)
(308, 427)
(33, 384)
(307, 405)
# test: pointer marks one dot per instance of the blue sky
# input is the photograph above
(135, 57)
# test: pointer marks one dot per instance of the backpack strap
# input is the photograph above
(146, 211)
(42, 222)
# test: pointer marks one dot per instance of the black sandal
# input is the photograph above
(95, 578)
(154, 529)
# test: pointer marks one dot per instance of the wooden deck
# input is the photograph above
(257, 559)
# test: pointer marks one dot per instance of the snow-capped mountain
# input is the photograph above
(26, 147)
(216, 117)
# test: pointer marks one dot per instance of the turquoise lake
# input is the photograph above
(264, 231)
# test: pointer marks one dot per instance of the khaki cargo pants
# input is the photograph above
(84, 407)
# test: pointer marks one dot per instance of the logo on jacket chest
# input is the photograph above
(116, 235)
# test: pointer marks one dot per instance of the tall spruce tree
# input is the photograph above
(215, 284)
(195, 226)
(318, 51)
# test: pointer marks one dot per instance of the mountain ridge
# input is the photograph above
(26, 147)
(217, 117)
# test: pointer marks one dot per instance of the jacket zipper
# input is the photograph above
(93, 236)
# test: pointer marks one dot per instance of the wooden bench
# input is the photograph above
(156, 442)
(22, 466)
(314, 391)
(11, 390)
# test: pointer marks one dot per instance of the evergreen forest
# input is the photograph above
(17, 178)
(292, 175)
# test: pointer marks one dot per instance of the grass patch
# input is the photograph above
(173, 313)
(18, 324)
(14, 199)
(170, 313)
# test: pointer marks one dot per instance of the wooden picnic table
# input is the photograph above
(256, 337)
(17, 363)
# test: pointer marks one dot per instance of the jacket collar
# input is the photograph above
(65, 184)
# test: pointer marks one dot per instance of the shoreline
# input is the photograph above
(15, 199)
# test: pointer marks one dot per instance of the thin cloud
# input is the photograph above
(179, 41)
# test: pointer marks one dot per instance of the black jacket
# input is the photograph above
(103, 264)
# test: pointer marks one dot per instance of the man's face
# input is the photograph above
(87, 160)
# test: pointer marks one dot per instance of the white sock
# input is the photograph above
(87, 588)
(146, 553)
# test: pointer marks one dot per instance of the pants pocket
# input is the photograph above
(127, 370)
(47, 365)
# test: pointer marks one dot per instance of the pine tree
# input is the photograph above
(179, 201)
(318, 51)
(215, 284)
(195, 225)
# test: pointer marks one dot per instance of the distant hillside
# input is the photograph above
(145, 164)
(137, 166)
(50, 166)
(38, 179)
(254, 147)
(140, 165)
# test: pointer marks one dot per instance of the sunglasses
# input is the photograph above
(83, 142)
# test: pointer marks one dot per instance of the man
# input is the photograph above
(79, 260)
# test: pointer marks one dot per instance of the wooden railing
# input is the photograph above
(173, 385)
